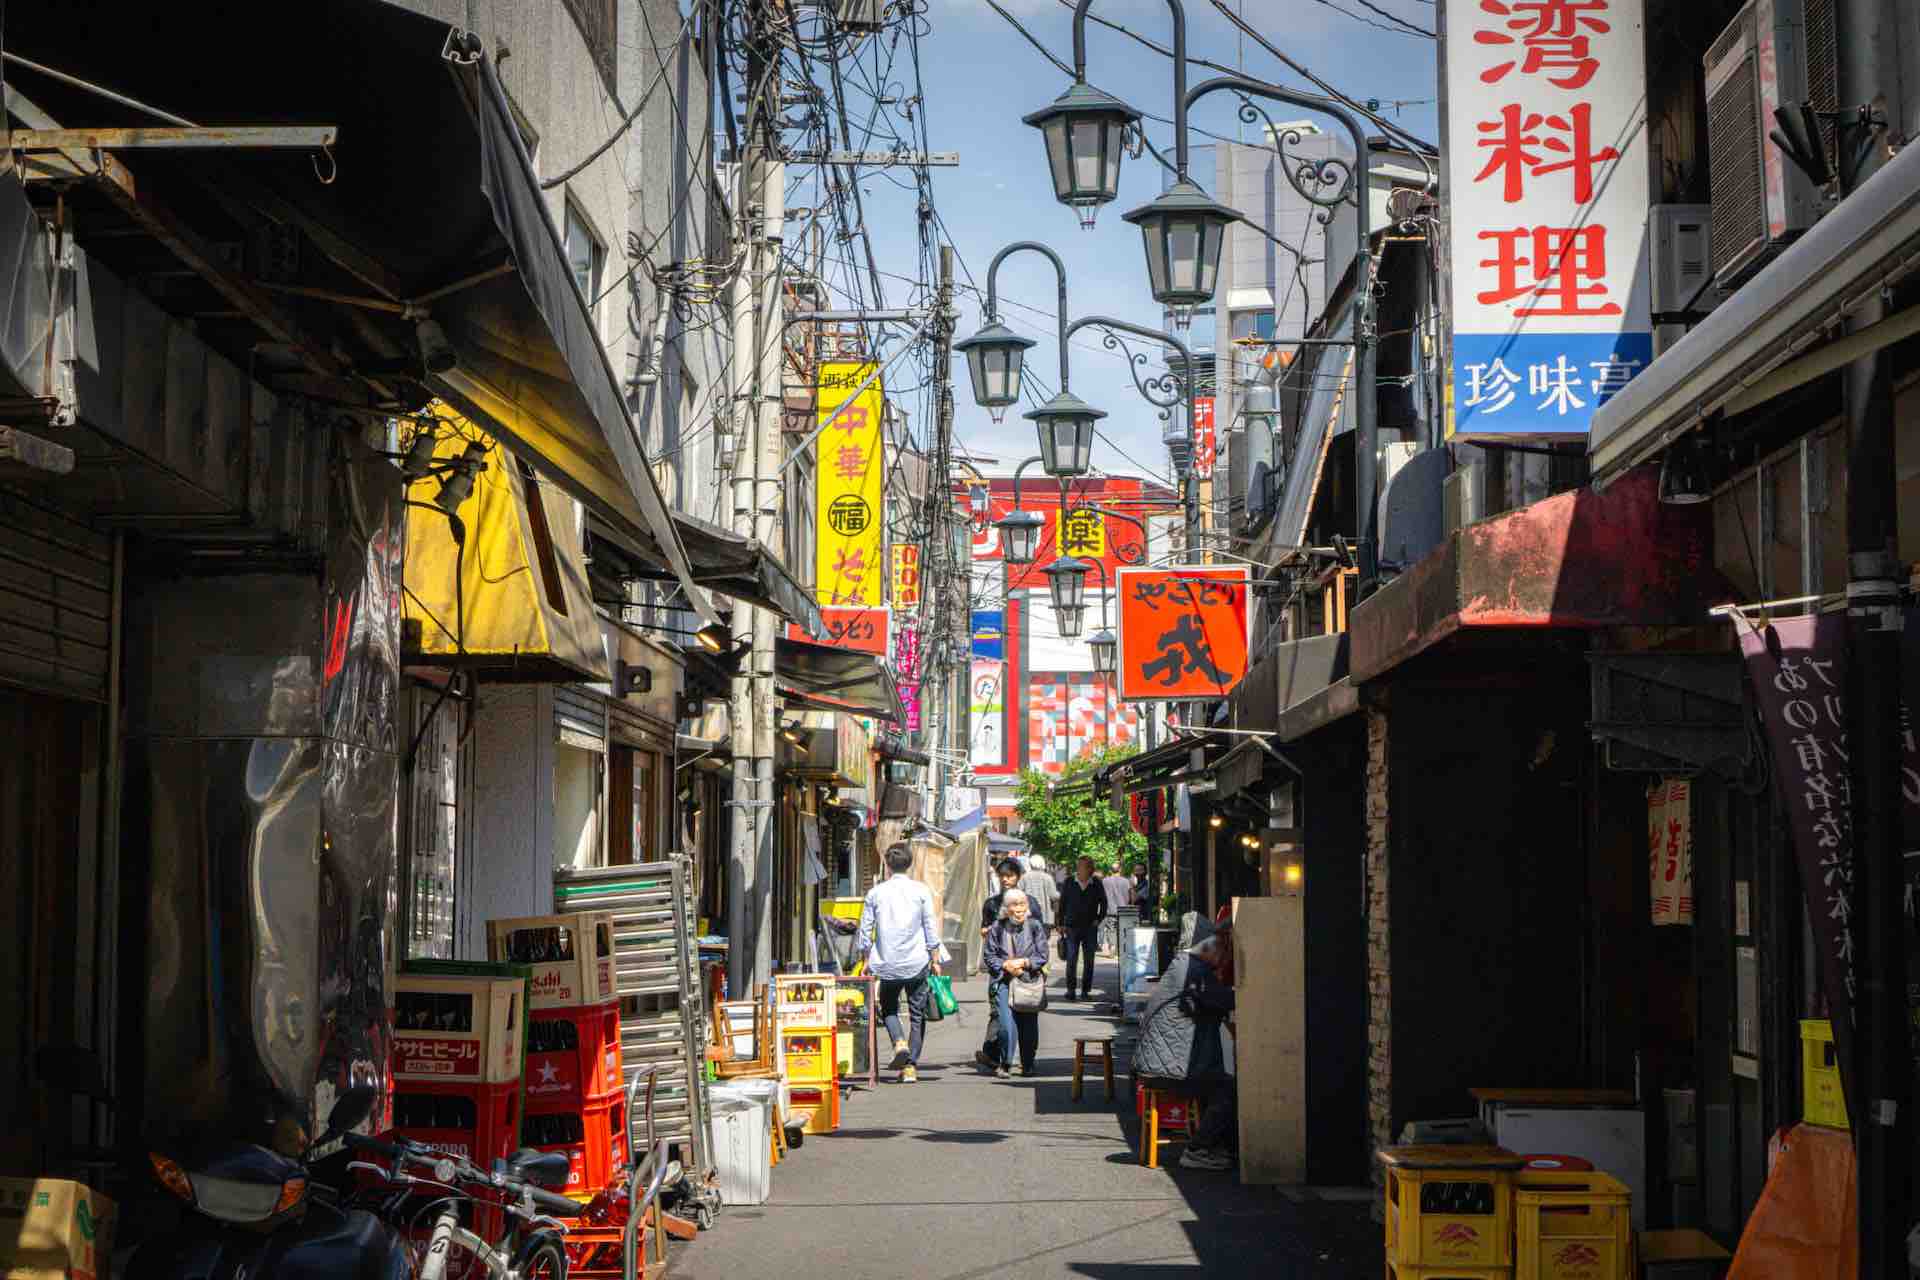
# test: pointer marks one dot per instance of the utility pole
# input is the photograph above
(1880, 1096)
(939, 654)
(757, 333)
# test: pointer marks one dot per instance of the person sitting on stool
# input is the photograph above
(1180, 1044)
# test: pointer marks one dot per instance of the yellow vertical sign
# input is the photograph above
(848, 486)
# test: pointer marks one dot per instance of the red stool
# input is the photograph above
(1164, 1109)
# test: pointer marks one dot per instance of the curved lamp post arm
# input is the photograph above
(1179, 73)
(1106, 585)
(1152, 335)
(1017, 472)
(1060, 273)
(1359, 185)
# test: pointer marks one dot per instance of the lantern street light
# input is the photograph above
(1020, 530)
(1106, 650)
(1071, 621)
(1067, 580)
(1084, 130)
(1065, 426)
(1182, 231)
(995, 357)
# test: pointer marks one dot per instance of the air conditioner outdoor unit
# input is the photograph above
(1775, 53)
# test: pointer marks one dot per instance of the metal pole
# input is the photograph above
(941, 733)
(1179, 73)
(756, 509)
(1880, 1095)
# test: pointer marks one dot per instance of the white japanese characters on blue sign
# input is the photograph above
(1548, 173)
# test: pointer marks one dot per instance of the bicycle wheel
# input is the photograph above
(542, 1258)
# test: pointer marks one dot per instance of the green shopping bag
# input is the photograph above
(940, 1003)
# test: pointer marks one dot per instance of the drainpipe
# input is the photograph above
(1880, 1095)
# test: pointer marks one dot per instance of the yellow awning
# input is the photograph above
(522, 609)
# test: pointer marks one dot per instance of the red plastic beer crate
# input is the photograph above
(478, 1121)
(458, 1030)
(592, 1137)
(571, 956)
(573, 1056)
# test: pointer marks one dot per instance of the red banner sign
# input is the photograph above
(1206, 448)
(1183, 632)
(864, 630)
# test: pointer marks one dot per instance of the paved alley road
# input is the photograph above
(963, 1176)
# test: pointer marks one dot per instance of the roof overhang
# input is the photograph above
(426, 206)
(1576, 561)
(727, 563)
(830, 679)
(1869, 240)
(1288, 674)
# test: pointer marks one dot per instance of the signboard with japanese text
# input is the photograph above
(1670, 850)
(1072, 715)
(1546, 123)
(990, 634)
(906, 573)
(1206, 448)
(848, 569)
(1183, 632)
(987, 714)
(1798, 671)
(864, 630)
(1082, 533)
(906, 667)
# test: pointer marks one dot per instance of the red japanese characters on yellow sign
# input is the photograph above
(906, 573)
(1183, 631)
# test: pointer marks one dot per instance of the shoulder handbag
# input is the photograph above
(1027, 992)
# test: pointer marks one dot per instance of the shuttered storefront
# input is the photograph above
(56, 598)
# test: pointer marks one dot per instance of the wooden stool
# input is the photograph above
(1149, 1099)
(1105, 1057)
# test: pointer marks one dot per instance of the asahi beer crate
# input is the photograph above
(458, 1030)
(803, 1000)
(53, 1229)
(571, 956)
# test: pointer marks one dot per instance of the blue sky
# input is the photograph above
(980, 76)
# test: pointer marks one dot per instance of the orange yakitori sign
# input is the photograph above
(1183, 631)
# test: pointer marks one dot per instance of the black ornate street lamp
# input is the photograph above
(1067, 580)
(995, 359)
(1071, 621)
(1019, 529)
(1106, 650)
(1084, 129)
(1184, 228)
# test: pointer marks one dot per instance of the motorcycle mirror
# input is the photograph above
(350, 1110)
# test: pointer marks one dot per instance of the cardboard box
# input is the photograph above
(53, 1229)
(458, 1030)
(571, 956)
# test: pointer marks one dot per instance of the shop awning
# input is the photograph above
(522, 610)
(1164, 766)
(425, 211)
(1578, 560)
(818, 675)
(732, 565)
(1868, 240)
(1287, 674)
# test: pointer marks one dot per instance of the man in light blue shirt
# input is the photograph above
(901, 943)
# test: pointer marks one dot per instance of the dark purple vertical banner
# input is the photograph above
(1799, 672)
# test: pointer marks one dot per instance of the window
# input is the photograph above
(586, 256)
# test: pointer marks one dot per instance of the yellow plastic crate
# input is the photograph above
(1823, 1101)
(807, 1056)
(1448, 1273)
(1449, 1208)
(1572, 1226)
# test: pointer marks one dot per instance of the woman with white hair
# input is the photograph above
(1016, 958)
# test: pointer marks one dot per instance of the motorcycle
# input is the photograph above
(257, 1213)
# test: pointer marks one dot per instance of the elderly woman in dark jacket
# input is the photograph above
(1016, 946)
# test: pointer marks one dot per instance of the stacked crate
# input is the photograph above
(805, 1024)
(575, 1100)
(1449, 1212)
(457, 1063)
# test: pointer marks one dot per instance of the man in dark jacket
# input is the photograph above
(1180, 1043)
(1083, 905)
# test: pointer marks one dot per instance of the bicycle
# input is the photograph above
(532, 1243)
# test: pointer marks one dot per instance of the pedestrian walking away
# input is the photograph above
(1009, 873)
(901, 944)
(1017, 953)
(1119, 891)
(1083, 905)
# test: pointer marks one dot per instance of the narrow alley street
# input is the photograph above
(962, 1176)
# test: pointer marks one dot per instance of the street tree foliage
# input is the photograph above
(1064, 823)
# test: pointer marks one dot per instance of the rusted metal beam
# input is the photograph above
(269, 135)
(21, 453)
(118, 183)
(233, 188)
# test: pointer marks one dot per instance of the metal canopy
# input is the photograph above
(818, 675)
(426, 207)
(1671, 712)
(735, 566)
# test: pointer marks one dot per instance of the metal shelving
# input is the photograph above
(656, 972)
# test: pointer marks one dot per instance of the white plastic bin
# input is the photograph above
(737, 1122)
